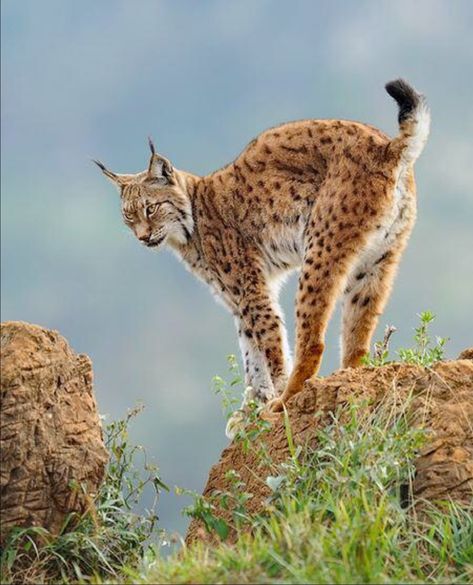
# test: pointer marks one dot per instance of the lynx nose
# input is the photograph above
(142, 232)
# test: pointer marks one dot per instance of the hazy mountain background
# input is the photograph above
(93, 79)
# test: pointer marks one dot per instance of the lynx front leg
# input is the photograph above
(263, 343)
(257, 374)
(265, 354)
(331, 248)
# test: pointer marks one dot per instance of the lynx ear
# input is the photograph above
(118, 179)
(159, 167)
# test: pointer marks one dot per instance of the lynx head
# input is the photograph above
(155, 203)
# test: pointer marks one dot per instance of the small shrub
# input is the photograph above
(425, 352)
(97, 545)
(252, 427)
(229, 392)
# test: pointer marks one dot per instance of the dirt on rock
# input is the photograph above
(439, 399)
(52, 449)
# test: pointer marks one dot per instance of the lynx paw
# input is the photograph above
(260, 396)
(252, 400)
(273, 409)
(235, 423)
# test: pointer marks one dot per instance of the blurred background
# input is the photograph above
(94, 79)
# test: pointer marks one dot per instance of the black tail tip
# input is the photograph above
(405, 95)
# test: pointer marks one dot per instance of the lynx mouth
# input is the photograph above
(156, 242)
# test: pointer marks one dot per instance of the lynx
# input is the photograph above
(335, 198)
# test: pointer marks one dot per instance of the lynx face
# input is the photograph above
(156, 212)
(155, 204)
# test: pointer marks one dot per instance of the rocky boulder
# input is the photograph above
(439, 399)
(52, 453)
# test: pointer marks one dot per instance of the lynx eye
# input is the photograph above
(151, 209)
(128, 216)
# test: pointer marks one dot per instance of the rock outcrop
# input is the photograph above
(442, 401)
(52, 454)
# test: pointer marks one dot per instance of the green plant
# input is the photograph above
(205, 508)
(235, 499)
(425, 351)
(98, 544)
(252, 426)
(229, 392)
(249, 435)
(252, 431)
(380, 355)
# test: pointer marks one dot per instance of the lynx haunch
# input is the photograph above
(334, 198)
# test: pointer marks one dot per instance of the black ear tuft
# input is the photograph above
(99, 164)
(151, 145)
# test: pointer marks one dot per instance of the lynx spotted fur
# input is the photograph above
(334, 198)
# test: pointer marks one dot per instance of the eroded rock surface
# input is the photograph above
(51, 437)
(442, 402)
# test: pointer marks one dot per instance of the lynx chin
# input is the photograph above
(335, 198)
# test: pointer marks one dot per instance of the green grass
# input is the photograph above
(337, 515)
(100, 544)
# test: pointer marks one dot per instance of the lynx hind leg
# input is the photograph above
(364, 299)
(365, 296)
(369, 285)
